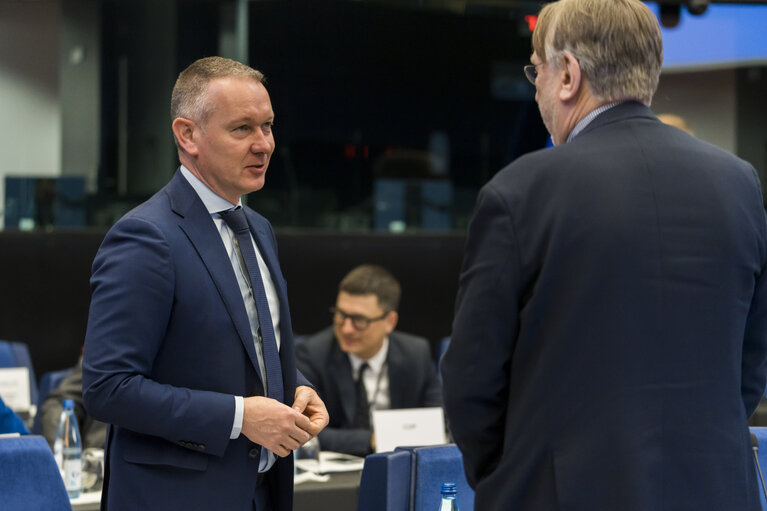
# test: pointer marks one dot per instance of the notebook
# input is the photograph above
(409, 426)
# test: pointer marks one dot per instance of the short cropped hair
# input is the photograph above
(190, 93)
(617, 43)
(370, 279)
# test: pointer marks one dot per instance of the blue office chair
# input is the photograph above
(48, 382)
(29, 477)
(432, 466)
(385, 483)
(16, 354)
(760, 447)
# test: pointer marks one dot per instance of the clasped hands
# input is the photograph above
(281, 428)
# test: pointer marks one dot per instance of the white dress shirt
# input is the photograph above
(376, 378)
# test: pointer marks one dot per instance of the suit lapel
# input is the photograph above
(341, 373)
(396, 367)
(196, 223)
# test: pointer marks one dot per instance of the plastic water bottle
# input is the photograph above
(449, 502)
(68, 450)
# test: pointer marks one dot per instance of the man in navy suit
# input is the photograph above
(189, 352)
(399, 369)
(610, 332)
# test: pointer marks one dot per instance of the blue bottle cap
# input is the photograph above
(448, 488)
(68, 404)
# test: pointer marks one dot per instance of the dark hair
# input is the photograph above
(369, 279)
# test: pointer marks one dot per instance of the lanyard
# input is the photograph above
(373, 401)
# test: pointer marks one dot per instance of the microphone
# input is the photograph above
(755, 449)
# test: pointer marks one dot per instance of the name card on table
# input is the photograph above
(407, 427)
(14, 388)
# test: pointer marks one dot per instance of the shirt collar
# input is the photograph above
(213, 203)
(590, 117)
(375, 362)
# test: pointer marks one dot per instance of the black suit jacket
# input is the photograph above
(413, 383)
(610, 334)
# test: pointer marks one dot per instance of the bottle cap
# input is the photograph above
(448, 488)
(69, 404)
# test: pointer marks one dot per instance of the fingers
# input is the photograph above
(301, 399)
(274, 425)
(312, 407)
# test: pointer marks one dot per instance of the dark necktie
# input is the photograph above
(362, 412)
(235, 219)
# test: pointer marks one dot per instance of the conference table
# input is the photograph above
(339, 493)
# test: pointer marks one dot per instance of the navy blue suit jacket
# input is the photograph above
(610, 332)
(168, 345)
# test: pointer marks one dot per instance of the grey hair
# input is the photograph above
(617, 43)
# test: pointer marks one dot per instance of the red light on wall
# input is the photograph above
(531, 20)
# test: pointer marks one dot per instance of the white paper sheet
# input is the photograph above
(14, 388)
(408, 427)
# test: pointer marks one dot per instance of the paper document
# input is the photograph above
(14, 388)
(408, 427)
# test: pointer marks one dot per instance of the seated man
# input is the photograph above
(93, 432)
(397, 368)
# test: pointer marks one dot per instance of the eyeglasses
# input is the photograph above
(359, 322)
(531, 72)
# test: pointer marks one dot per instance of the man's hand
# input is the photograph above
(276, 426)
(308, 403)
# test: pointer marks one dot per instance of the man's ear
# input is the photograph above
(571, 78)
(391, 321)
(185, 130)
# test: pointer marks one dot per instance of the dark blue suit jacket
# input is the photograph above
(610, 335)
(167, 347)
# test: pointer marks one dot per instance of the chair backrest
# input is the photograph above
(432, 466)
(761, 468)
(385, 483)
(16, 354)
(48, 382)
(29, 477)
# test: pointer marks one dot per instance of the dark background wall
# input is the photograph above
(46, 293)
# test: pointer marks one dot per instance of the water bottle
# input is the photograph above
(449, 503)
(68, 449)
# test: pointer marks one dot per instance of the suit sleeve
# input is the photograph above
(336, 439)
(754, 367)
(132, 298)
(476, 366)
(432, 389)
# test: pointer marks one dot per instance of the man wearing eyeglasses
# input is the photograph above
(610, 331)
(362, 364)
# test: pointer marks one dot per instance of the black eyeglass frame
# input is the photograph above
(359, 322)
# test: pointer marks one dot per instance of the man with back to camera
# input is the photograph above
(189, 351)
(399, 370)
(610, 332)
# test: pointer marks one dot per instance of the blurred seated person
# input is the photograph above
(397, 369)
(10, 422)
(93, 432)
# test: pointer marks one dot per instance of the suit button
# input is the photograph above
(253, 453)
